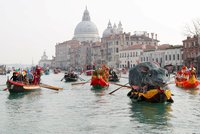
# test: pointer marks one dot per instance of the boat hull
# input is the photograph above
(89, 72)
(114, 79)
(18, 87)
(68, 79)
(99, 87)
(186, 84)
(153, 96)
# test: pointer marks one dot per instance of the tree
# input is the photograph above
(194, 29)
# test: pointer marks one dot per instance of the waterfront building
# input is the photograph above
(115, 40)
(191, 50)
(164, 55)
(44, 61)
(66, 53)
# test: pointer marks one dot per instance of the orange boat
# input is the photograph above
(192, 82)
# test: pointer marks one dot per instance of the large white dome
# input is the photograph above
(86, 30)
(86, 27)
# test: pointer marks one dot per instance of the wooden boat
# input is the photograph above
(3, 70)
(56, 70)
(19, 87)
(192, 82)
(71, 79)
(153, 96)
(98, 83)
(100, 78)
(89, 72)
(46, 72)
(113, 79)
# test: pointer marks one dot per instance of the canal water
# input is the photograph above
(79, 110)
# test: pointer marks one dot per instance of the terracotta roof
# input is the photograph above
(133, 47)
(150, 47)
(164, 46)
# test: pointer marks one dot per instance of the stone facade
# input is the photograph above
(44, 61)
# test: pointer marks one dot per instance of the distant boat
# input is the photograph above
(19, 87)
(70, 77)
(56, 71)
(46, 72)
(3, 70)
(89, 70)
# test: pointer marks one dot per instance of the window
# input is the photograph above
(165, 57)
(170, 57)
(117, 50)
(177, 56)
(116, 42)
(173, 56)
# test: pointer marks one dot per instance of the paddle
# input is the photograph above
(5, 89)
(62, 79)
(121, 85)
(118, 88)
(124, 77)
(80, 82)
(81, 78)
(50, 87)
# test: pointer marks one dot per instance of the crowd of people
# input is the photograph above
(27, 76)
(185, 73)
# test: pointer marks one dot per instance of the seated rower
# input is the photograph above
(14, 77)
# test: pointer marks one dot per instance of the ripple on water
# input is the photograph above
(78, 109)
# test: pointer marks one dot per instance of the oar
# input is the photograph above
(62, 79)
(50, 87)
(80, 82)
(81, 78)
(124, 77)
(121, 85)
(118, 88)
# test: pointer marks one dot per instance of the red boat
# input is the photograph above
(89, 72)
(100, 78)
(186, 79)
(191, 83)
(19, 87)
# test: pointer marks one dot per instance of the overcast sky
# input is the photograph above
(28, 27)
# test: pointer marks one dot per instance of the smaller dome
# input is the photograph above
(108, 31)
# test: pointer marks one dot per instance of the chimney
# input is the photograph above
(152, 34)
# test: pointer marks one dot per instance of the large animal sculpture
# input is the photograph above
(148, 81)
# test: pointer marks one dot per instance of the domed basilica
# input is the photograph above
(86, 30)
